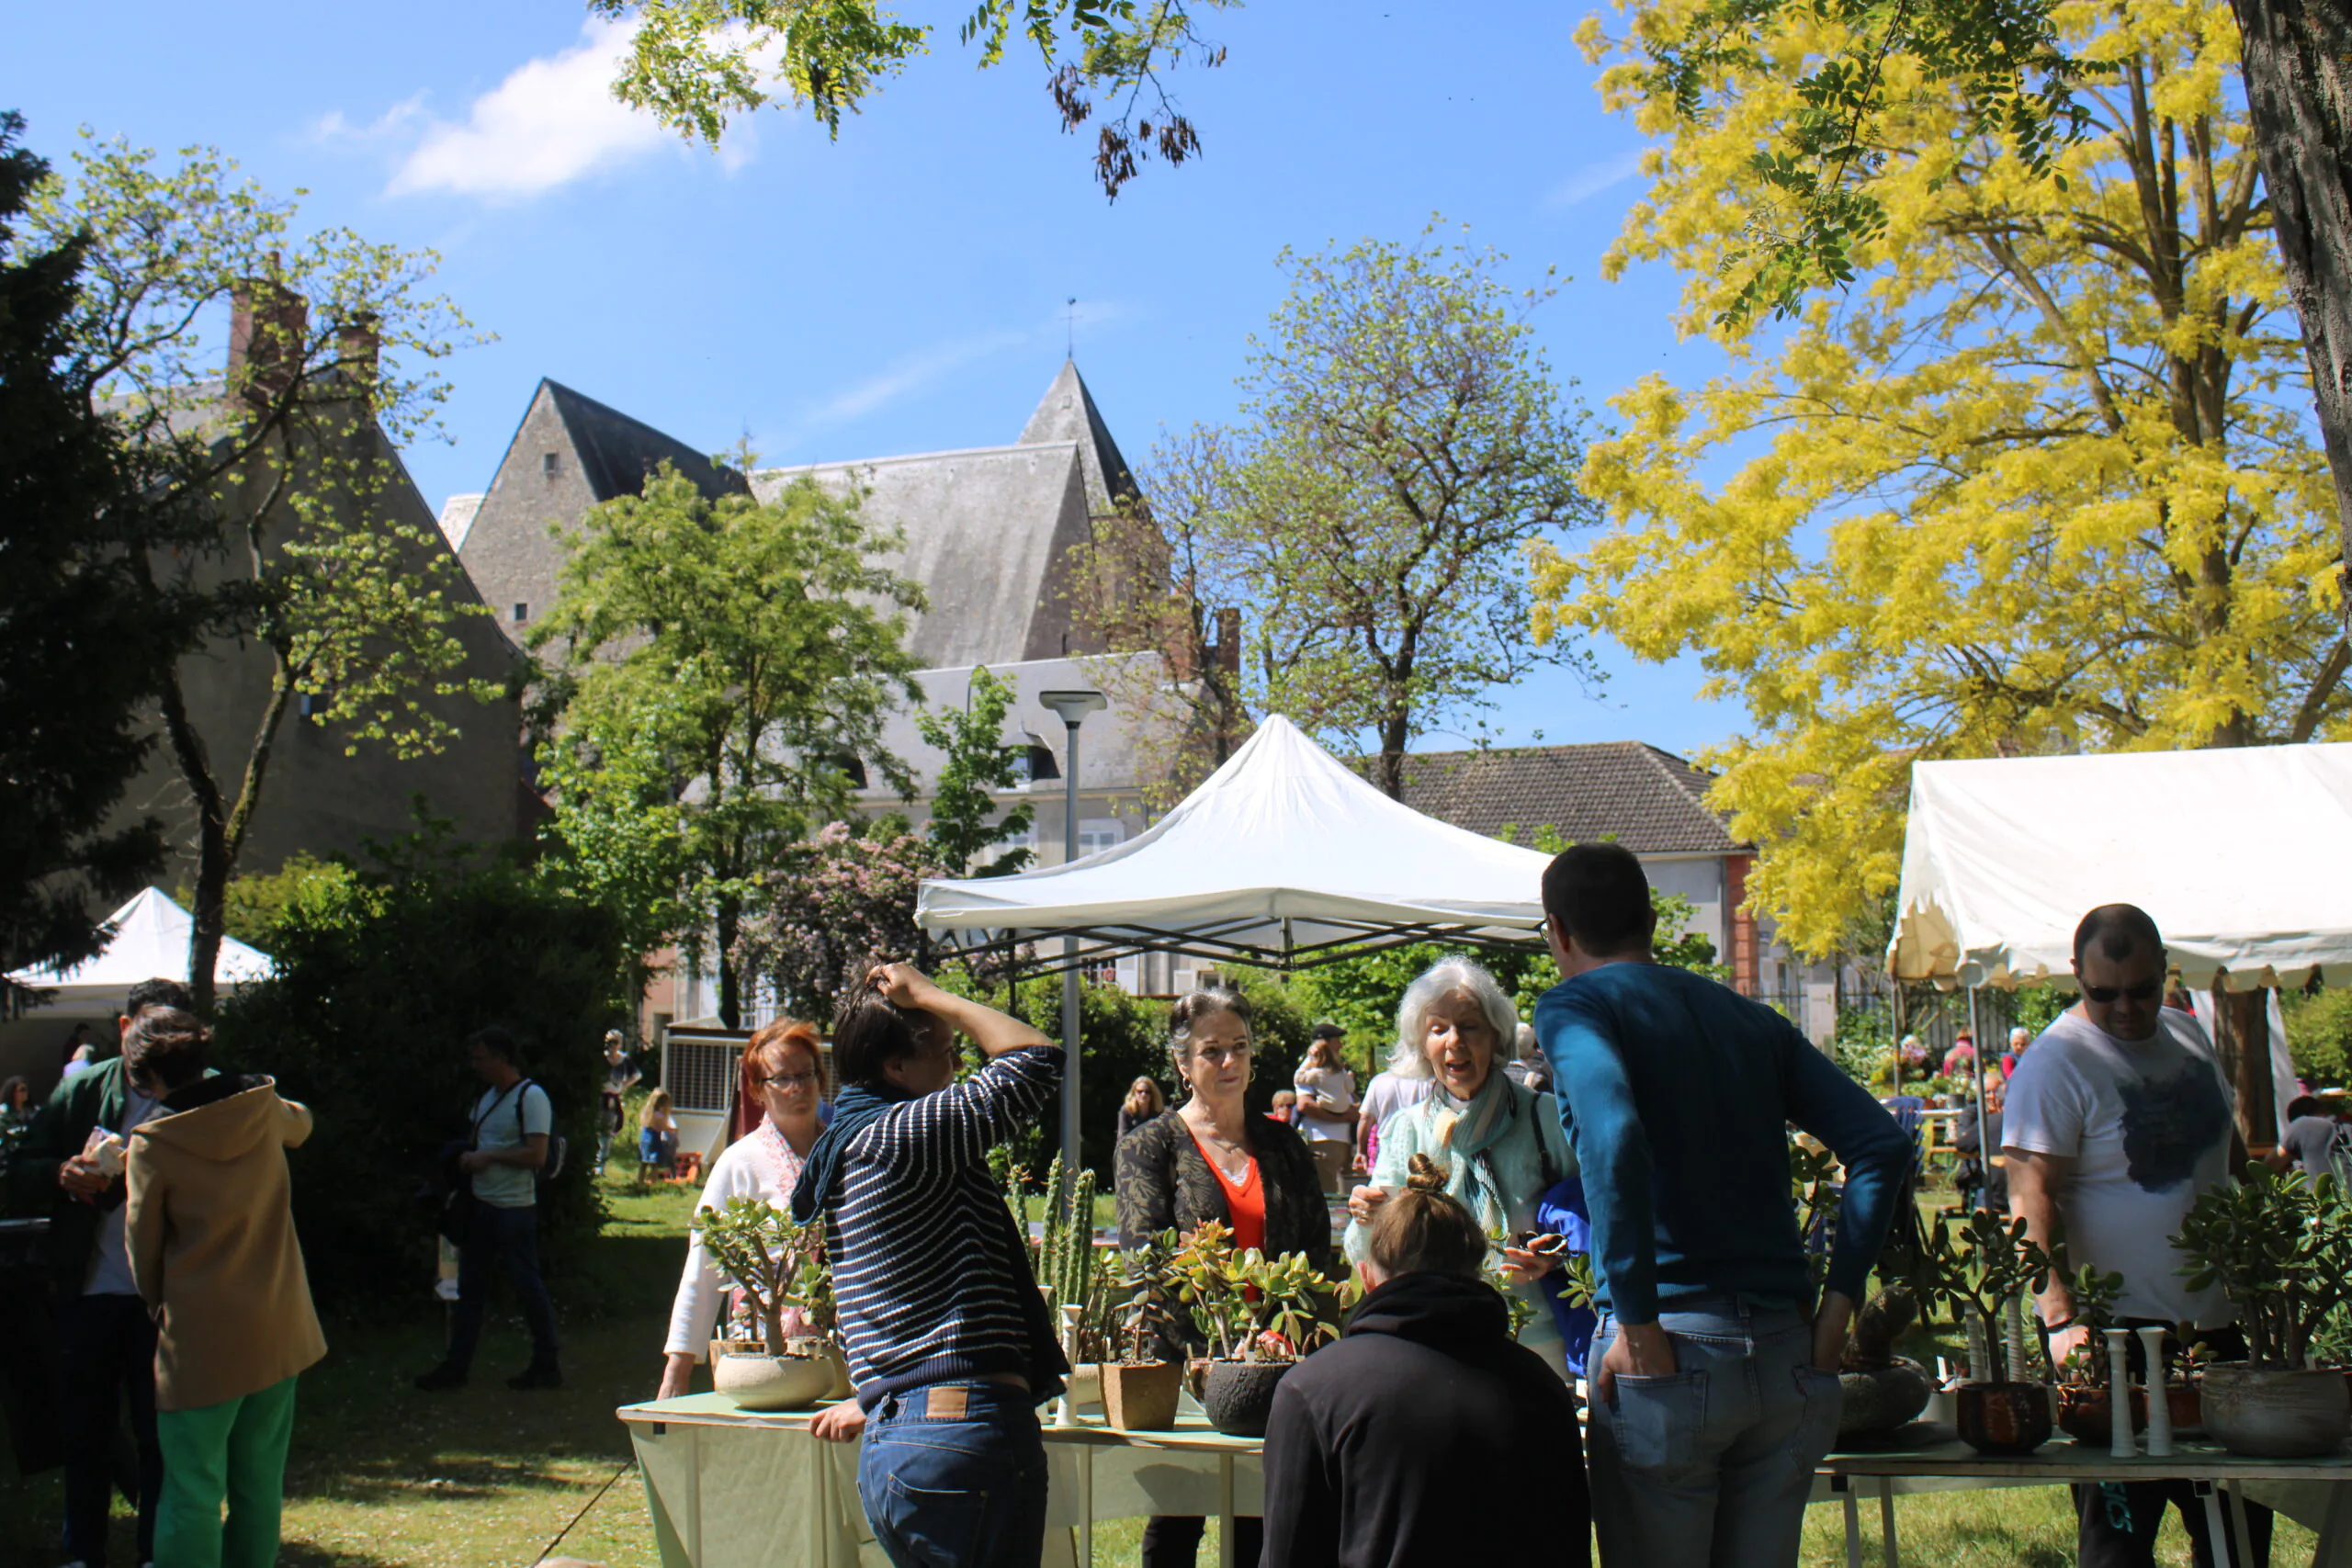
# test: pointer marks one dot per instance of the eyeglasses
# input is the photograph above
(2145, 991)
(790, 1080)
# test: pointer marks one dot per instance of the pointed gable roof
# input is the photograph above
(616, 451)
(1067, 412)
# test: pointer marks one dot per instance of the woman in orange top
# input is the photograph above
(1213, 1158)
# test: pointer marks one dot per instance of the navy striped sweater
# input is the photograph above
(931, 1275)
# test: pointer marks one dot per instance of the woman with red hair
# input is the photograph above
(784, 1077)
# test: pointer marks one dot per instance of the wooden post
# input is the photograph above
(2242, 1041)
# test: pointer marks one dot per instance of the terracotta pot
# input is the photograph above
(2086, 1413)
(760, 1381)
(2264, 1414)
(1879, 1399)
(2003, 1417)
(1142, 1398)
(1240, 1395)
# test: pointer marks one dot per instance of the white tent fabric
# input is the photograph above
(150, 942)
(1283, 857)
(2240, 855)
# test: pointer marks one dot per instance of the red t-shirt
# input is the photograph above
(1245, 1199)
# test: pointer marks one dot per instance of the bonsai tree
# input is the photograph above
(773, 1261)
(1981, 1267)
(2281, 1248)
(2094, 1296)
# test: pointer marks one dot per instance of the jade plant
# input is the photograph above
(2281, 1248)
(2094, 1295)
(776, 1263)
(1251, 1307)
(1983, 1267)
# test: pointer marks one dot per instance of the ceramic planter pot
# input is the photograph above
(2277, 1415)
(2086, 1414)
(1879, 1399)
(1142, 1398)
(1240, 1395)
(2003, 1417)
(756, 1381)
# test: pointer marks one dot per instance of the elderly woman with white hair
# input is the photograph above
(1498, 1142)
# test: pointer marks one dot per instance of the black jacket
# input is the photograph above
(1165, 1183)
(1426, 1437)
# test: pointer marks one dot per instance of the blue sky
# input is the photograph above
(902, 288)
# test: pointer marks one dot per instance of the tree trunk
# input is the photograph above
(728, 918)
(2298, 63)
(212, 861)
(2242, 1043)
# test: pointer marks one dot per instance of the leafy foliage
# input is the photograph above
(290, 463)
(81, 648)
(964, 820)
(827, 909)
(730, 660)
(2319, 1034)
(777, 1265)
(381, 976)
(1251, 1307)
(2037, 485)
(1403, 442)
(696, 63)
(2281, 1248)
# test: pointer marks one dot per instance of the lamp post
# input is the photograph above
(1072, 708)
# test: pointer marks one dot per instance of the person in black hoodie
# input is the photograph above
(1426, 1436)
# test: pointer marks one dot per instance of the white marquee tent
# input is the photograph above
(150, 942)
(2243, 858)
(1283, 857)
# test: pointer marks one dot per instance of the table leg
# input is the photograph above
(2239, 1526)
(1225, 1511)
(2217, 1530)
(2334, 1548)
(1086, 1506)
(1886, 1519)
(1844, 1487)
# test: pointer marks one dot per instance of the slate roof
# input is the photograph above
(1067, 412)
(1649, 800)
(616, 451)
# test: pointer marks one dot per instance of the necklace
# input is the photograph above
(1232, 1156)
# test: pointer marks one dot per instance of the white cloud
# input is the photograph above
(1594, 178)
(552, 121)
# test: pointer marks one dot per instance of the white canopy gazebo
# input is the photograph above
(150, 942)
(2239, 855)
(1283, 858)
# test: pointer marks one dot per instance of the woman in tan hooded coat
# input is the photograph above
(213, 1250)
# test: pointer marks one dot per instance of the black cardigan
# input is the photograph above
(1165, 1183)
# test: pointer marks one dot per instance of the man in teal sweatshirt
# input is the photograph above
(1716, 1386)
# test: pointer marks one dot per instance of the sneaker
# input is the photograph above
(441, 1377)
(536, 1375)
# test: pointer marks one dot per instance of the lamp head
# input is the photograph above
(1073, 707)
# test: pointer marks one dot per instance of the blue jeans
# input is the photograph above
(513, 1234)
(1712, 1466)
(953, 1475)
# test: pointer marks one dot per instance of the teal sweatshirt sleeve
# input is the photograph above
(1611, 1148)
(1872, 1146)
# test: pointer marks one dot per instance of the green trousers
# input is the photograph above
(232, 1452)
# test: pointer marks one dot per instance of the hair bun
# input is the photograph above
(1426, 1176)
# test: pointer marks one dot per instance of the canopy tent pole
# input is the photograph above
(1986, 1152)
(1073, 707)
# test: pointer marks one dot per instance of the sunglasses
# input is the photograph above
(2145, 991)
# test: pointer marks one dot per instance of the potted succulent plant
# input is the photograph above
(1260, 1315)
(2281, 1248)
(1140, 1386)
(780, 1269)
(1985, 1270)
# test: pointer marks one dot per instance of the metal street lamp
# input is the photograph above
(1072, 708)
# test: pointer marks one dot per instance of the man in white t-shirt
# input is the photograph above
(2118, 1118)
(1385, 1096)
(512, 1122)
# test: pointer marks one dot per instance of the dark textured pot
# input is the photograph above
(1879, 1399)
(2086, 1413)
(2003, 1417)
(1240, 1395)
(2277, 1415)
(1142, 1398)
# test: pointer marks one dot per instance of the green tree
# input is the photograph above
(81, 648)
(1402, 444)
(964, 821)
(291, 463)
(2034, 489)
(695, 63)
(749, 651)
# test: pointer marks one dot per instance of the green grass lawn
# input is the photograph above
(382, 1475)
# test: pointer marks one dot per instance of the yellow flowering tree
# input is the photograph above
(2039, 481)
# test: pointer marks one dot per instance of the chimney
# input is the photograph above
(358, 341)
(1229, 641)
(1182, 667)
(266, 322)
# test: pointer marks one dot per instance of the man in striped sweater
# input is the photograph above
(949, 1345)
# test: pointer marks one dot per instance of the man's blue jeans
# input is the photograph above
(513, 1234)
(953, 1475)
(1712, 1466)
